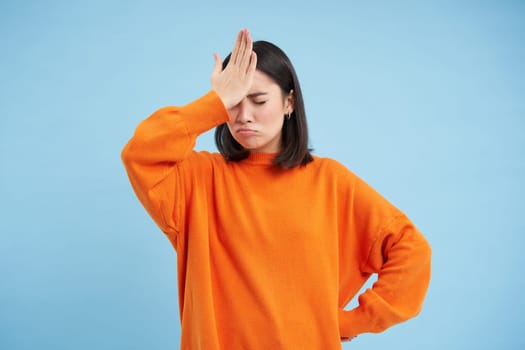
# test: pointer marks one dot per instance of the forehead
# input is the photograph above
(263, 83)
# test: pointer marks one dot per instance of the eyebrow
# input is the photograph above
(256, 94)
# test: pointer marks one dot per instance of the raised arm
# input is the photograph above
(159, 144)
(168, 136)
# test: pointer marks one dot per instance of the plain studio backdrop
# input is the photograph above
(425, 100)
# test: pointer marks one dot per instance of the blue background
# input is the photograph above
(423, 99)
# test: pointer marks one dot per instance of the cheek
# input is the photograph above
(232, 115)
(277, 121)
(230, 127)
(271, 114)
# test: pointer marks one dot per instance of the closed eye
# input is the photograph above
(256, 97)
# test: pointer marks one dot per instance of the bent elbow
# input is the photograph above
(127, 155)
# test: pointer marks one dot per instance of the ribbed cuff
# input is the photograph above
(209, 112)
(352, 323)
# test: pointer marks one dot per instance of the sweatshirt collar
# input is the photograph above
(260, 158)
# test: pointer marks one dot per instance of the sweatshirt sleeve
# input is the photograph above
(400, 255)
(160, 142)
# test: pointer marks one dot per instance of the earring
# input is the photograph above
(288, 116)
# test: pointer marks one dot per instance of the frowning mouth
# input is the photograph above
(246, 132)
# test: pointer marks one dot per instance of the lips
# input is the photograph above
(245, 131)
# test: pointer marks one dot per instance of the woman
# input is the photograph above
(271, 242)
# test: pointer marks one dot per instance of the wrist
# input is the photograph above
(225, 101)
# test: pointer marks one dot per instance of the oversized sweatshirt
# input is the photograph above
(268, 258)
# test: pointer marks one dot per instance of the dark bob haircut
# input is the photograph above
(272, 61)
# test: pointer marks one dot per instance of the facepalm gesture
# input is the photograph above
(232, 83)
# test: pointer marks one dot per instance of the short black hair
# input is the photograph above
(272, 61)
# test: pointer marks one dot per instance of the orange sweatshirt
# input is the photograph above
(268, 258)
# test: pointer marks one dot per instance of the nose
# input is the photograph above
(244, 112)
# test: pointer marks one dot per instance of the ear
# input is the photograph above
(289, 102)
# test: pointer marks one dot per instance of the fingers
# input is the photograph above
(245, 56)
(253, 64)
(237, 47)
(217, 67)
(242, 50)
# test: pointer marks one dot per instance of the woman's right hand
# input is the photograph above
(232, 83)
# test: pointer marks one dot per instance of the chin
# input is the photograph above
(249, 147)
